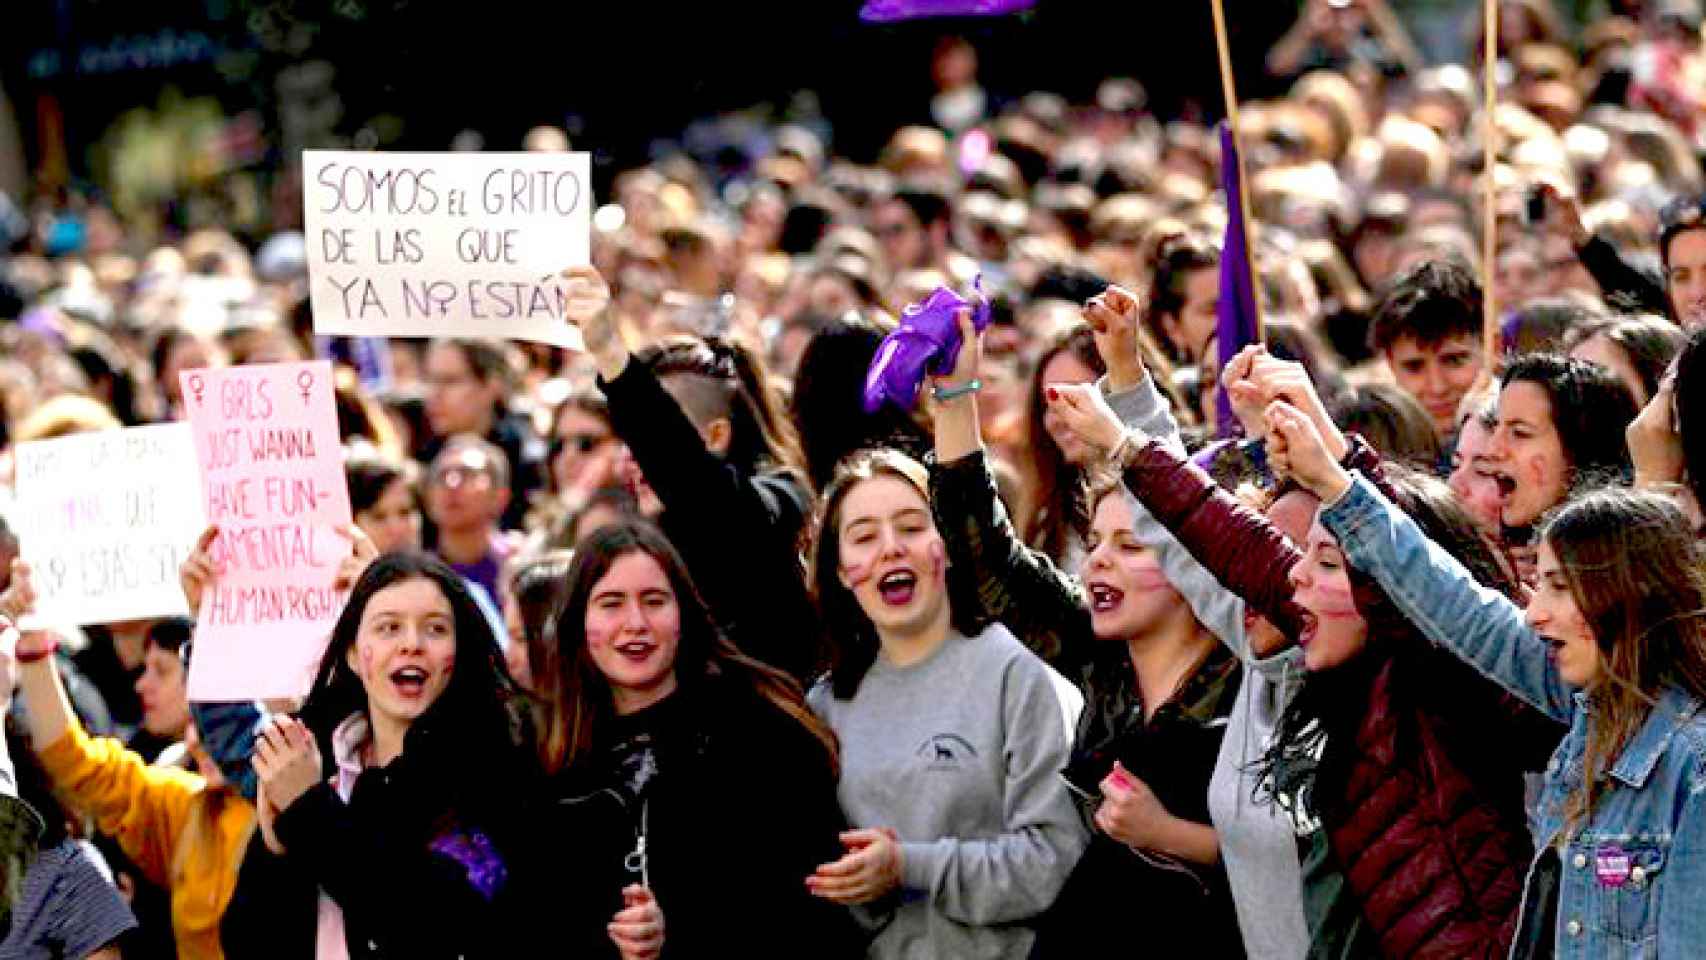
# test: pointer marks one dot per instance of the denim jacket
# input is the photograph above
(1631, 880)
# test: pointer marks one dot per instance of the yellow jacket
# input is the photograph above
(183, 836)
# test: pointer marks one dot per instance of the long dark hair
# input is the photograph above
(1639, 579)
(826, 405)
(849, 635)
(1691, 411)
(1590, 410)
(739, 388)
(1650, 342)
(578, 704)
(1331, 703)
(1176, 258)
(1057, 508)
(480, 704)
(1390, 420)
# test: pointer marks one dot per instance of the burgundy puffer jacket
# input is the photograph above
(1424, 813)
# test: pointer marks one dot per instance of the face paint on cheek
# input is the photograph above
(1540, 472)
(1150, 577)
(857, 574)
(597, 637)
(938, 561)
(1335, 603)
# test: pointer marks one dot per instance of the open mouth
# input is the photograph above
(898, 587)
(636, 651)
(1506, 484)
(1104, 598)
(409, 681)
(1554, 647)
(1310, 625)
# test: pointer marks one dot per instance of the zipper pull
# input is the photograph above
(635, 861)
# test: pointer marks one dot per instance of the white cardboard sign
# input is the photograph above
(105, 518)
(445, 244)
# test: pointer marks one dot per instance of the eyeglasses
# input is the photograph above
(581, 443)
(454, 478)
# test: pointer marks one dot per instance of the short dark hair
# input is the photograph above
(1678, 217)
(171, 634)
(497, 462)
(929, 203)
(368, 479)
(1432, 301)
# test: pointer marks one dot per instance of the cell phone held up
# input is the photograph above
(1534, 207)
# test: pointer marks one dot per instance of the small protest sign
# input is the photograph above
(105, 518)
(445, 244)
(266, 440)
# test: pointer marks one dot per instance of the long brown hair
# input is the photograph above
(1056, 502)
(849, 635)
(578, 703)
(1636, 574)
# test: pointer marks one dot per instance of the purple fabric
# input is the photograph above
(888, 11)
(1235, 323)
(927, 340)
(474, 853)
(44, 321)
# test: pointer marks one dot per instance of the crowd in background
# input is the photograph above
(669, 646)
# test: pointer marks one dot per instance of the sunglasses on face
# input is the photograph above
(581, 443)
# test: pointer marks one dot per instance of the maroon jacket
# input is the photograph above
(1424, 808)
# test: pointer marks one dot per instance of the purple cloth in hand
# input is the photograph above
(927, 340)
(888, 11)
(479, 859)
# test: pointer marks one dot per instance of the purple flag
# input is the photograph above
(1235, 324)
(926, 341)
(888, 11)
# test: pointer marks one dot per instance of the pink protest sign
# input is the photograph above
(266, 439)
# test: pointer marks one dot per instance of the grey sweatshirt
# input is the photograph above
(1257, 843)
(960, 754)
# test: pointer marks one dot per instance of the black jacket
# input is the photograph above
(419, 861)
(739, 534)
(1636, 288)
(737, 811)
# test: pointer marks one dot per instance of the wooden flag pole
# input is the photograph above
(1490, 185)
(1229, 90)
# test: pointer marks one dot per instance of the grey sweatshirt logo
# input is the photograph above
(945, 751)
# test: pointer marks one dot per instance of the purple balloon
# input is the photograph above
(888, 11)
(927, 341)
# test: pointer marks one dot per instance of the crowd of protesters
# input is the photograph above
(669, 647)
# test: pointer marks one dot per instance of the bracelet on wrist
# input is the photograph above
(954, 393)
(1123, 453)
